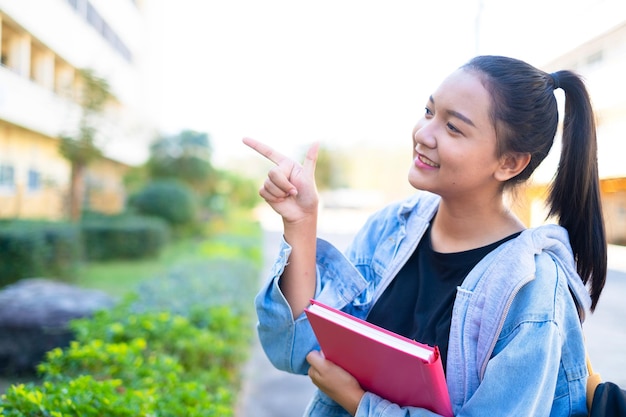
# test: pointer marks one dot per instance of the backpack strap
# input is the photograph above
(593, 381)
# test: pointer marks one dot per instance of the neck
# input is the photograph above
(460, 227)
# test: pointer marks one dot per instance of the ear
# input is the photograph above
(511, 164)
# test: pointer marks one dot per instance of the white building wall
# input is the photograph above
(66, 34)
(602, 62)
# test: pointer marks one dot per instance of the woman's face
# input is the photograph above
(454, 143)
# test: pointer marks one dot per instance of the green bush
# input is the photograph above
(83, 396)
(174, 348)
(141, 365)
(123, 237)
(209, 345)
(37, 248)
(171, 200)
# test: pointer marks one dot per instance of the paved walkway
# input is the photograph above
(267, 392)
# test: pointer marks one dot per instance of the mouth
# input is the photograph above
(427, 161)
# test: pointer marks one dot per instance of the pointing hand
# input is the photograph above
(289, 187)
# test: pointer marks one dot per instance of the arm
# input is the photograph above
(291, 191)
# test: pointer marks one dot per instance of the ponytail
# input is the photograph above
(525, 115)
(574, 196)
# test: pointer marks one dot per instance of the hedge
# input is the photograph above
(38, 248)
(123, 237)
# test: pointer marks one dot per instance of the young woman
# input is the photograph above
(452, 266)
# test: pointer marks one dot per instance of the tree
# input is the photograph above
(185, 156)
(81, 149)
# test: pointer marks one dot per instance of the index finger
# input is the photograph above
(268, 152)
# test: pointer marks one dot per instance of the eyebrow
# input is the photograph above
(456, 114)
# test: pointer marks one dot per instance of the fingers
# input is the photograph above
(277, 186)
(311, 160)
(316, 360)
(288, 178)
(274, 156)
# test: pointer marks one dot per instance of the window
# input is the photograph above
(88, 12)
(34, 180)
(7, 177)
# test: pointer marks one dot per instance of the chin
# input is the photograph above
(417, 182)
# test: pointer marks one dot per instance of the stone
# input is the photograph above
(34, 318)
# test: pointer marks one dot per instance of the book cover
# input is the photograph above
(394, 367)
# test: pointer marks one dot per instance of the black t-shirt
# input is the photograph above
(418, 303)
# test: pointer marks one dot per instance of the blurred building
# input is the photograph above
(601, 61)
(44, 45)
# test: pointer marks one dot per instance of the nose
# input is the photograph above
(424, 134)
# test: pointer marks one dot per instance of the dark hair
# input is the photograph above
(525, 115)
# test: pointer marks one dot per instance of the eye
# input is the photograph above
(427, 112)
(452, 128)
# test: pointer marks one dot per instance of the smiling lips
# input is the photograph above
(427, 161)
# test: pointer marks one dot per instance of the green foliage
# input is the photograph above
(81, 148)
(214, 336)
(37, 248)
(186, 157)
(84, 396)
(136, 178)
(232, 191)
(183, 288)
(80, 151)
(129, 361)
(329, 169)
(230, 260)
(142, 365)
(145, 358)
(123, 237)
(169, 200)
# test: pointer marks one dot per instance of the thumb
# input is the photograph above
(315, 358)
(311, 160)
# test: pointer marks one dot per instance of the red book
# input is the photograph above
(394, 367)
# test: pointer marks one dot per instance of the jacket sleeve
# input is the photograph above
(372, 405)
(276, 327)
(286, 341)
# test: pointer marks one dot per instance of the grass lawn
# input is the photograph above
(239, 236)
(119, 277)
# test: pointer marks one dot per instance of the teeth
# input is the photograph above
(428, 162)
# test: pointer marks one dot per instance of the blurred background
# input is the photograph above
(352, 75)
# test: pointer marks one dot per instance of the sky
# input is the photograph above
(339, 72)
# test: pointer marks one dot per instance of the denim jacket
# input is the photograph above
(516, 344)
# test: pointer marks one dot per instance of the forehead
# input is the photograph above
(463, 91)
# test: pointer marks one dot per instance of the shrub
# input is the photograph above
(141, 365)
(170, 200)
(83, 396)
(37, 248)
(123, 237)
(208, 346)
(149, 359)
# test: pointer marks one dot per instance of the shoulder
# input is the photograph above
(421, 204)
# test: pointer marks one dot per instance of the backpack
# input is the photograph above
(604, 399)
